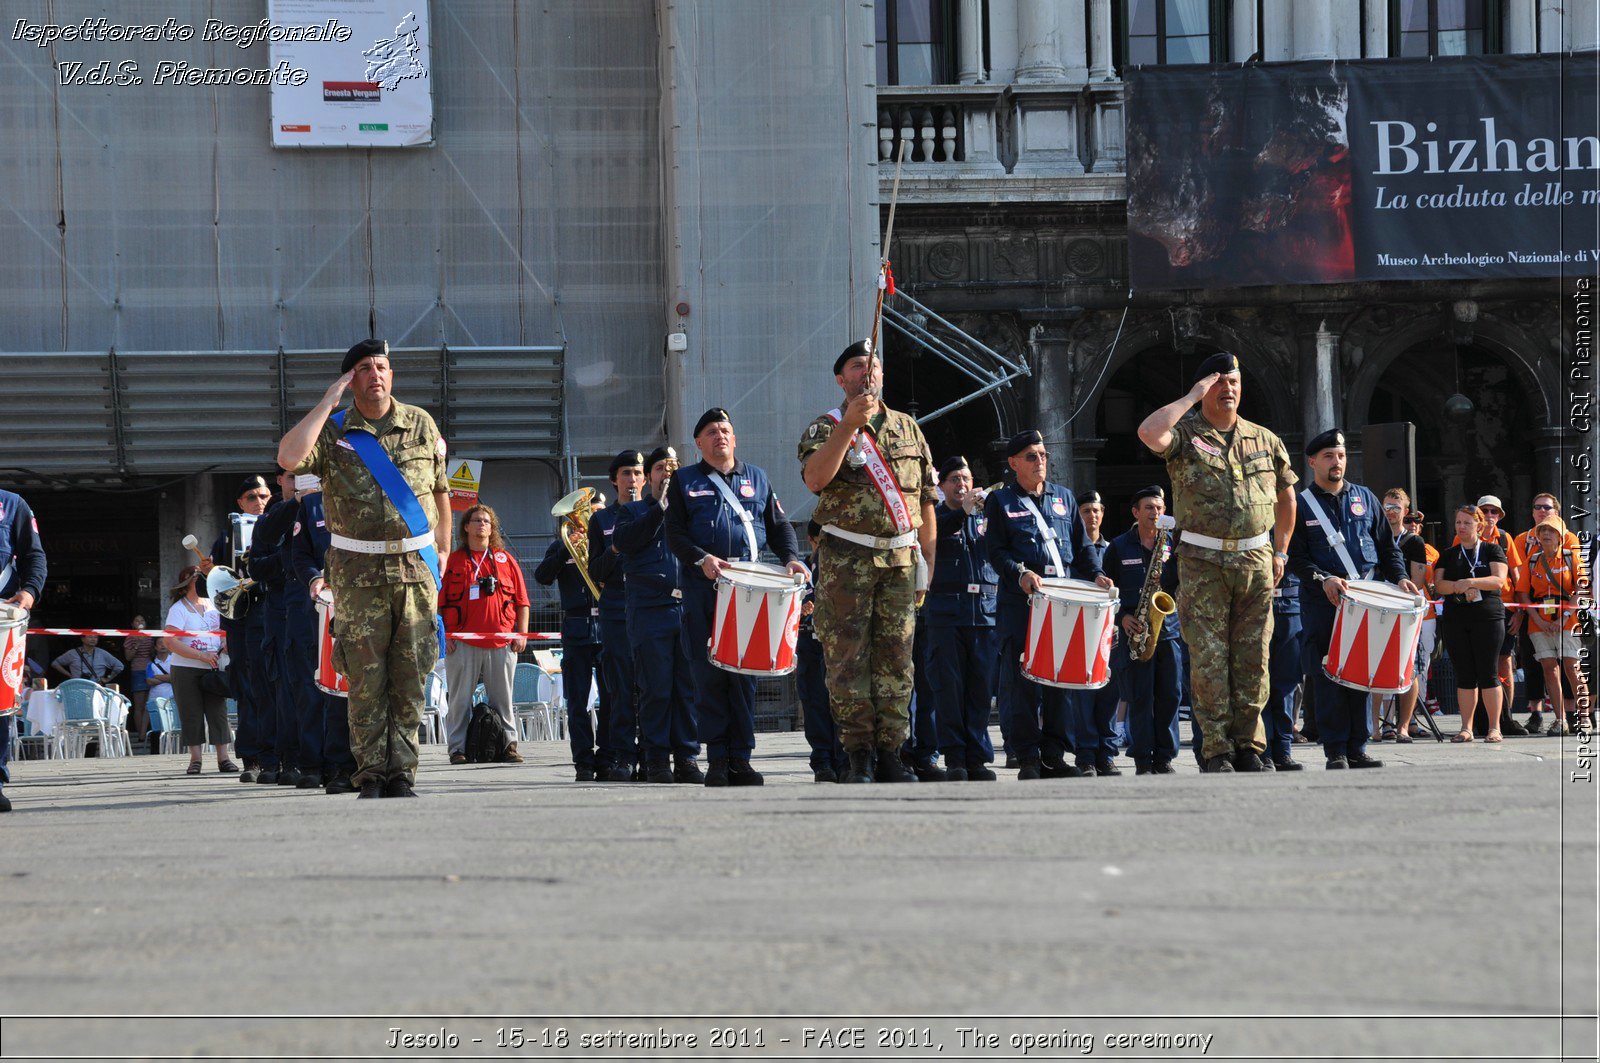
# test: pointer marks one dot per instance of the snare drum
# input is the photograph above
(757, 620)
(13, 654)
(1374, 641)
(328, 679)
(1070, 624)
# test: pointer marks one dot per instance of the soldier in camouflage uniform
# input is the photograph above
(383, 588)
(1234, 494)
(867, 562)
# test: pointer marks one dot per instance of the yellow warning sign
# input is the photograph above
(465, 480)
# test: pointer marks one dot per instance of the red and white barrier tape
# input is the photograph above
(118, 632)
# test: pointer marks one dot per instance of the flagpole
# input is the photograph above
(888, 234)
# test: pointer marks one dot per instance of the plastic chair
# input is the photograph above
(164, 718)
(435, 706)
(84, 704)
(28, 746)
(530, 704)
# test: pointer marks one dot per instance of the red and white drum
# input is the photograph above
(757, 620)
(1070, 624)
(13, 655)
(328, 679)
(1374, 641)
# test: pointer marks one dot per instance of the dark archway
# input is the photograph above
(921, 383)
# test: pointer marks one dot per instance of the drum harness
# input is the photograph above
(1335, 539)
(744, 514)
(1045, 532)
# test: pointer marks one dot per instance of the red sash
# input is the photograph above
(888, 487)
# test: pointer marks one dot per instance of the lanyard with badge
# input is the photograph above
(480, 586)
(1472, 594)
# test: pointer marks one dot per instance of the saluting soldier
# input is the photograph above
(720, 510)
(1234, 494)
(873, 474)
(381, 464)
(1034, 530)
(1340, 534)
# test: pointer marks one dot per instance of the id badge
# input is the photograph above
(973, 588)
(1050, 570)
(474, 593)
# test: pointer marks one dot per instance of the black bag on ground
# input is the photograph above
(486, 737)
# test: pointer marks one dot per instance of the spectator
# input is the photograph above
(194, 655)
(158, 673)
(1552, 579)
(88, 661)
(1471, 576)
(138, 649)
(1545, 505)
(1420, 558)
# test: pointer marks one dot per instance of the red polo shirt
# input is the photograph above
(487, 612)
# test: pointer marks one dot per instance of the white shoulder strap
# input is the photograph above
(1335, 539)
(1045, 532)
(743, 514)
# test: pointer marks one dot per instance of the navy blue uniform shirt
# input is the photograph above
(1355, 514)
(266, 543)
(605, 563)
(579, 612)
(699, 520)
(961, 590)
(309, 551)
(1014, 542)
(20, 548)
(1127, 562)
(651, 569)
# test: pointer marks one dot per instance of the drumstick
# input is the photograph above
(191, 543)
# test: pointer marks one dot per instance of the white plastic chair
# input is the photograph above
(531, 705)
(435, 707)
(87, 708)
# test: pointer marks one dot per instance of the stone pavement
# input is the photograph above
(1458, 881)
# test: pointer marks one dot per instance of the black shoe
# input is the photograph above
(717, 772)
(684, 769)
(1361, 760)
(1107, 767)
(1510, 726)
(617, 773)
(1143, 769)
(267, 777)
(340, 785)
(583, 774)
(308, 781)
(824, 775)
(288, 777)
(248, 775)
(1163, 767)
(1029, 771)
(1337, 763)
(1267, 763)
(371, 788)
(860, 769)
(1011, 762)
(740, 773)
(658, 771)
(891, 768)
(1221, 764)
(1535, 722)
(980, 773)
(929, 771)
(399, 786)
(5, 802)
(1246, 760)
(955, 775)
(1056, 767)
(1287, 764)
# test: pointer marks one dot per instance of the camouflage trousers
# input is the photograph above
(385, 646)
(1226, 616)
(865, 619)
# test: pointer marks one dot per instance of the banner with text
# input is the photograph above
(370, 78)
(1315, 173)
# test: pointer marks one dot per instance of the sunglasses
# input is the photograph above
(1412, 520)
(1543, 506)
(1032, 458)
(1390, 508)
(1490, 511)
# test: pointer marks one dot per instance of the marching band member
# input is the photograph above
(959, 654)
(266, 565)
(256, 741)
(828, 760)
(1094, 735)
(1034, 529)
(1234, 494)
(656, 631)
(873, 476)
(1151, 688)
(1340, 534)
(22, 572)
(721, 509)
(580, 655)
(324, 717)
(619, 754)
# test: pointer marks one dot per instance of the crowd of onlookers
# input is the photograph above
(139, 666)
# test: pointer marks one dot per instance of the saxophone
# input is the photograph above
(574, 511)
(1155, 604)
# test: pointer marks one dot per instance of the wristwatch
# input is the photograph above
(1281, 553)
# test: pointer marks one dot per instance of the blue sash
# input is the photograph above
(400, 495)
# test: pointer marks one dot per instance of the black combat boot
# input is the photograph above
(399, 786)
(1246, 760)
(980, 772)
(1361, 760)
(860, 769)
(929, 771)
(1028, 770)
(955, 773)
(371, 788)
(657, 769)
(339, 784)
(686, 770)
(583, 774)
(1106, 766)
(740, 773)
(1055, 766)
(716, 771)
(1221, 764)
(824, 774)
(891, 768)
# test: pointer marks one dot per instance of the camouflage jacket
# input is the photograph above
(357, 507)
(1224, 487)
(852, 502)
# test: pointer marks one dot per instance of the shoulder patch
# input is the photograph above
(1209, 448)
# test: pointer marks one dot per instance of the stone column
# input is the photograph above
(1551, 462)
(1038, 41)
(970, 40)
(1074, 44)
(1522, 27)
(1313, 29)
(1084, 476)
(1583, 24)
(1376, 43)
(1552, 28)
(1246, 34)
(1100, 41)
(1050, 354)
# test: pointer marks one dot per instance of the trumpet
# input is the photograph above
(574, 510)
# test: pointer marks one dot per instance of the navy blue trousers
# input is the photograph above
(923, 741)
(1341, 713)
(1151, 689)
(276, 694)
(822, 734)
(959, 662)
(661, 673)
(580, 669)
(255, 739)
(724, 702)
(1094, 714)
(1285, 668)
(621, 728)
(1039, 714)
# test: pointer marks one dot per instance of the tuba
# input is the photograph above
(1155, 604)
(574, 511)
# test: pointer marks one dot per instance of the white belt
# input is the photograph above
(1229, 546)
(380, 546)
(874, 541)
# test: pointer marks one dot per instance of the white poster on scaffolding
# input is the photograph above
(369, 73)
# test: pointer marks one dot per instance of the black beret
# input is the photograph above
(1333, 437)
(813, 530)
(659, 454)
(626, 459)
(364, 349)
(1153, 491)
(1091, 498)
(950, 465)
(711, 416)
(1022, 441)
(855, 350)
(1223, 363)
